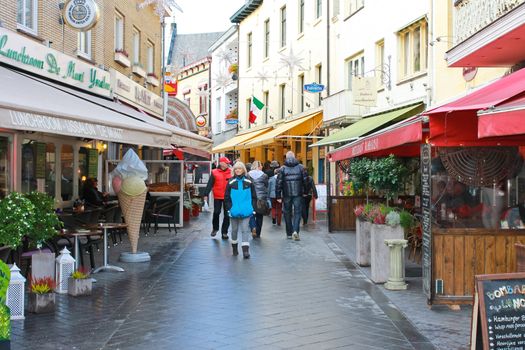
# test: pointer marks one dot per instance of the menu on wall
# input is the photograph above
(426, 209)
(499, 312)
(93, 163)
(40, 164)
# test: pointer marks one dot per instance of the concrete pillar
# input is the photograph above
(304, 155)
(243, 154)
(259, 154)
(396, 280)
(293, 146)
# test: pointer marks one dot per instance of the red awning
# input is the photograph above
(402, 139)
(505, 120)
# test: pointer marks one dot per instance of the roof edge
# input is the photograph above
(247, 9)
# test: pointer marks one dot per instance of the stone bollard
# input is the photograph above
(396, 280)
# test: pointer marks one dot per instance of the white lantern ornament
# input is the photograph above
(65, 265)
(16, 294)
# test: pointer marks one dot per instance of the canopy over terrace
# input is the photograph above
(236, 142)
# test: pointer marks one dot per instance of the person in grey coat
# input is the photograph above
(260, 182)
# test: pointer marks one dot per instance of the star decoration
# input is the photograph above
(222, 80)
(225, 56)
(291, 61)
(262, 76)
(160, 6)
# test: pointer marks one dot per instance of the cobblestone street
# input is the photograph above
(195, 295)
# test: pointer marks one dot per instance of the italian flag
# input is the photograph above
(255, 109)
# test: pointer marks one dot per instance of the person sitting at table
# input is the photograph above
(96, 199)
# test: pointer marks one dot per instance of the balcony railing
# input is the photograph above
(473, 15)
(340, 105)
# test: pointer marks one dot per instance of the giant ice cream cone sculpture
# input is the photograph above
(132, 208)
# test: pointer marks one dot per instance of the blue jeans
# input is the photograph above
(293, 207)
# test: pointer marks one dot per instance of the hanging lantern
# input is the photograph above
(15, 294)
(65, 265)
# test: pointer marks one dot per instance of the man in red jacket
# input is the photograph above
(218, 180)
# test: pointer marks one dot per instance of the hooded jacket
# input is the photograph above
(240, 198)
(260, 181)
(292, 180)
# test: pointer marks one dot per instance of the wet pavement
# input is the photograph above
(195, 295)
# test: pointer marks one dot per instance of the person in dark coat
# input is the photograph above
(95, 199)
(307, 198)
(292, 184)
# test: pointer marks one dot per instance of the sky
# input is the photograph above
(202, 16)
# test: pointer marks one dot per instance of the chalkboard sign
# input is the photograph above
(40, 171)
(499, 312)
(93, 163)
(426, 208)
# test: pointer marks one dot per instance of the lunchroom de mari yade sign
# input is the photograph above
(23, 53)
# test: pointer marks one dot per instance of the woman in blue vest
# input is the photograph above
(240, 200)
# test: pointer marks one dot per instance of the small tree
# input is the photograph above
(387, 176)
(360, 172)
(16, 219)
(46, 220)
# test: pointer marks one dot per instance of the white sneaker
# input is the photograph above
(295, 236)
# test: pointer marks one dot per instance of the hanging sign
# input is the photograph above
(81, 14)
(200, 121)
(426, 208)
(364, 91)
(313, 88)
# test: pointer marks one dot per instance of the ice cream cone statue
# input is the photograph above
(128, 184)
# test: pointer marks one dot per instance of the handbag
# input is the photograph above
(262, 207)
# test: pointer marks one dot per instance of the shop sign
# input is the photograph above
(25, 54)
(426, 208)
(364, 91)
(367, 146)
(232, 121)
(135, 94)
(201, 121)
(469, 73)
(81, 14)
(313, 88)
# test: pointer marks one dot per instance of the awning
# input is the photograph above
(26, 103)
(505, 120)
(238, 140)
(456, 123)
(178, 137)
(402, 139)
(369, 124)
(300, 126)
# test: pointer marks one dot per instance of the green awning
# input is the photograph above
(370, 124)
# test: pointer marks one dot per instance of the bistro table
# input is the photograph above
(106, 226)
(77, 234)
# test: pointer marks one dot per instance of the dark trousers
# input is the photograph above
(218, 204)
(292, 213)
(306, 208)
(258, 224)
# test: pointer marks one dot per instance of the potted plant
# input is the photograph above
(41, 296)
(233, 68)
(16, 220)
(46, 222)
(387, 176)
(122, 57)
(362, 237)
(232, 114)
(196, 206)
(187, 206)
(80, 283)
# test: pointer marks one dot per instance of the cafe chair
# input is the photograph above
(164, 208)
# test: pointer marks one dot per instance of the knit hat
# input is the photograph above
(274, 164)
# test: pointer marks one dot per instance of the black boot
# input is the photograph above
(246, 251)
(235, 249)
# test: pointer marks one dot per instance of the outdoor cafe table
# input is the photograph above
(106, 226)
(76, 234)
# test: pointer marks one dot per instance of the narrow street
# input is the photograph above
(195, 295)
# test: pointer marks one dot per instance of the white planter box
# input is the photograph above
(138, 70)
(362, 242)
(153, 81)
(122, 59)
(379, 252)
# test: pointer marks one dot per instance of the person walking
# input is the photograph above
(307, 197)
(217, 183)
(292, 183)
(260, 182)
(276, 206)
(240, 200)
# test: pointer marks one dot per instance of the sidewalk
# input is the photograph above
(195, 295)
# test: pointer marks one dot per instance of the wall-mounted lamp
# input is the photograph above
(442, 38)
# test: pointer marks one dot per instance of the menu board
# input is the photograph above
(426, 209)
(93, 163)
(499, 312)
(40, 164)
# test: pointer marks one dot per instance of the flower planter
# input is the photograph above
(379, 252)
(185, 214)
(195, 211)
(138, 70)
(79, 287)
(122, 59)
(362, 242)
(41, 303)
(153, 80)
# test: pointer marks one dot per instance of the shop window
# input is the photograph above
(27, 14)
(5, 160)
(38, 167)
(84, 44)
(66, 179)
(413, 49)
(87, 167)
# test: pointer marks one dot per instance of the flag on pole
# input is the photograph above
(255, 109)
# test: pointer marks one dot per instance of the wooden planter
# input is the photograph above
(41, 303)
(379, 252)
(79, 287)
(362, 242)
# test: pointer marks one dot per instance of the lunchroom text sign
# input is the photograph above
(23, 53)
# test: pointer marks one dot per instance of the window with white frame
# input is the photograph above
(335, 7)
(380, 63)
(352, 6)
(119, 32)
(266, 100)
(27, 14)
(266, 38)
(319, 77)
(84, 43)
(282, 100)
(282, 42)
(150, 51)
(413, 49)
(300, 94)
(248, 105)
(136, 45)
(249, 52)
(203, 99)
(301, 16)
(318, 8)
(218, 113)
(354, 67)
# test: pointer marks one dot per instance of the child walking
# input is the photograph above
(240, 200)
